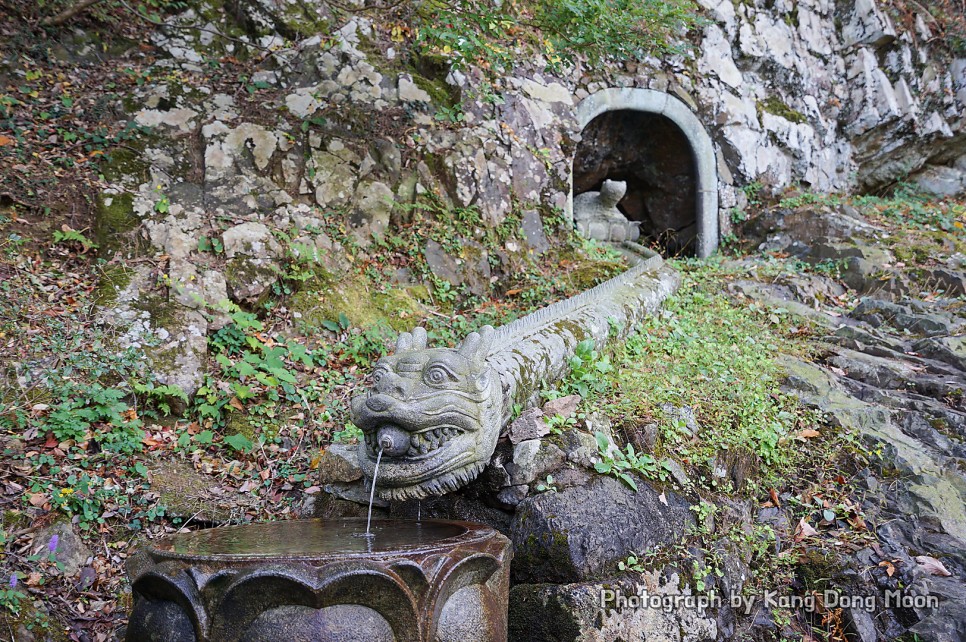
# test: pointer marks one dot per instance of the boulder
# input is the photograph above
(339, 463)
(249, 239)
(64, 545)
(530, 425)
(902, 317)
(533, 233)
(590, 611)
(373, 203)
(580, 533)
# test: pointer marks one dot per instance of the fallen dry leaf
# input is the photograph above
(774, 497)
(6, 140)
(889, 567)
(932, 565)
(809, 433)
(804, 530)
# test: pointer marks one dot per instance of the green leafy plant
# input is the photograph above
(349, 433)
(632, 563)
(160, 395)
(492, 36)
(162, 205)
(210, 244)
(341, 325)
(558, 424)
(452, 114)
(588, 371)
(547, 485)
(69, 236)
(240, 443)
(620, 464)
(908, 205)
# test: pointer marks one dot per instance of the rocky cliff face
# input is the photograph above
(829, 96)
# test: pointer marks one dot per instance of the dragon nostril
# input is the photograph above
(378, 403)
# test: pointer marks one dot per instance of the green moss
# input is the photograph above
(590, 273)
(400, 308)
(819, 570)
(14, 520)
(442, 94)
(112, 281)
(123, 162)
(239, 423)
(915, 254)
(774, 105)
(183, 492)
(113, 218)
(159, 309)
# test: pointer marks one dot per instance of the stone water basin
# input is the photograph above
(323, 580)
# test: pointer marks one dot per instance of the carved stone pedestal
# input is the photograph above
(322, 580)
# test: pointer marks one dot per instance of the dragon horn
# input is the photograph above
(470, 345)
(476, 345)
(419, 338)
(487, 333)
(404, 343)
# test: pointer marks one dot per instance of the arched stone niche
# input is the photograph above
(650, 124)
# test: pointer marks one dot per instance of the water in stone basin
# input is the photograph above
(309, 539)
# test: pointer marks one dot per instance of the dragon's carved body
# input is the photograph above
(436, 413)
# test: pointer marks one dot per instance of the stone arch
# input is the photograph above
(650, 103)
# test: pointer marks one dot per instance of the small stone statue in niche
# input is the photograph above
(597, 217)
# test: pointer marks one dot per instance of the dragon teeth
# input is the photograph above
(430, 440)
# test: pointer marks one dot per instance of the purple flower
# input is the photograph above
(13, 580)
(52, 545)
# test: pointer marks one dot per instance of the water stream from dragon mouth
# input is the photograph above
(372, 494)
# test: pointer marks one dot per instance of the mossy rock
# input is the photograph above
(241, 423)
(399, 308)
(774, 106)
(32, 624)
(441, 93)
(590, 273)
(124, 163)
(114, 220)
(161, 311)
(113, 280)
(250, 280)
(820, 571)
(186, 493)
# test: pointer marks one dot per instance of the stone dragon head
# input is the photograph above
(435, 413)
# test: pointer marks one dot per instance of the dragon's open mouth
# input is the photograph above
(421, 443)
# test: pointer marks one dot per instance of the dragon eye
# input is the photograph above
(377, 376)
(437, 375)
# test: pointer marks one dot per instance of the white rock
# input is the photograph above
(249, 239)
(551, 93)
(717, 57)
(409, 92)
(303, 103)
(940, 180)
(181, 119)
